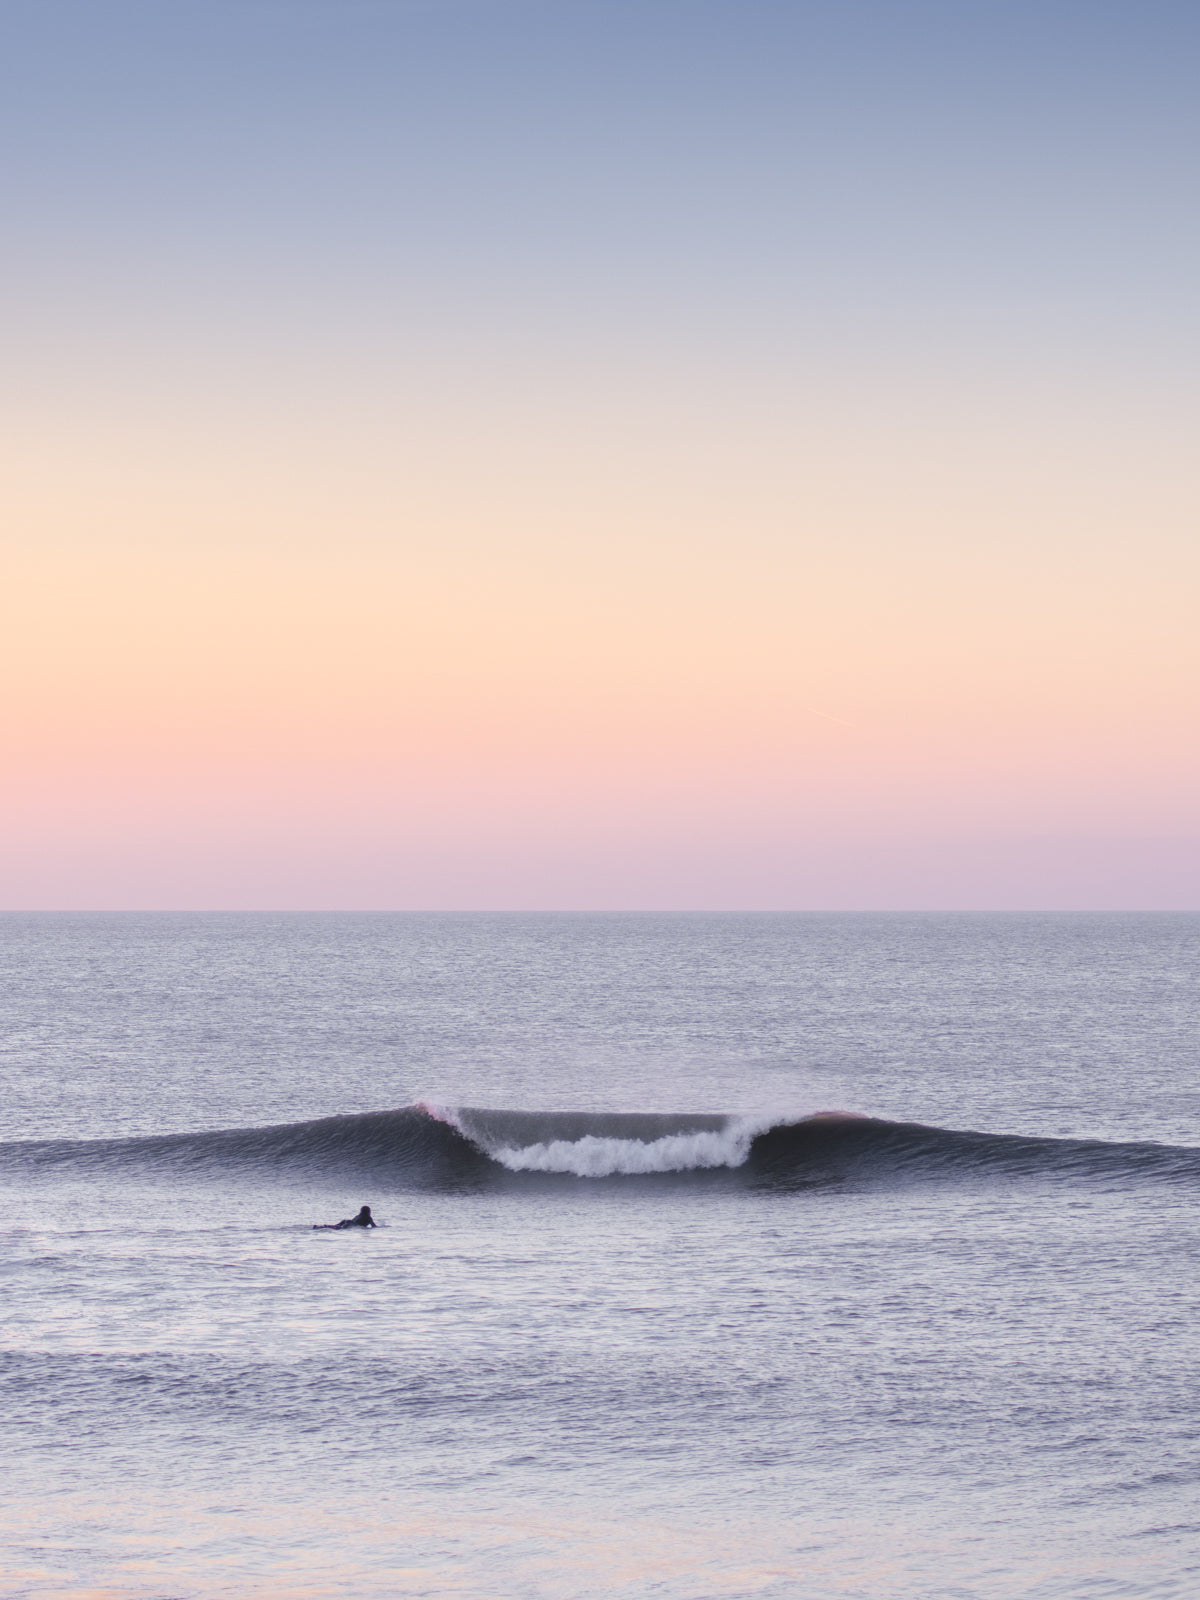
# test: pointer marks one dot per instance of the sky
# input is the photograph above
(578, 454)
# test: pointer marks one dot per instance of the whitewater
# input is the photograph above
(718, 1256)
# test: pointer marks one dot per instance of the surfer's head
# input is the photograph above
(365, 1214)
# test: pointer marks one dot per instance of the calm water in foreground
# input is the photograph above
(714, 1351)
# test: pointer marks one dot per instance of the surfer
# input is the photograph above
(364, 1219)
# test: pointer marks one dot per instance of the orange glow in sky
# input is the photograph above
(417, 568)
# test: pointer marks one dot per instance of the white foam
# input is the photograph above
(592, 1157)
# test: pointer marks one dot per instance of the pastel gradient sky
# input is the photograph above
(585, 454)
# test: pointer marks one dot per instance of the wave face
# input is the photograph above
(465, 1146)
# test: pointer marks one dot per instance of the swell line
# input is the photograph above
(427, 1143)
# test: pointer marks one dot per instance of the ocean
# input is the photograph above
(718, 1256)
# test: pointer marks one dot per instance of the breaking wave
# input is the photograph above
(455, 1147)
(599, 1145)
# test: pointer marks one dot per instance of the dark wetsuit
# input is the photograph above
(364, 1219)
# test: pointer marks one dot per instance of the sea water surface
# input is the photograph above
(638, 1320)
